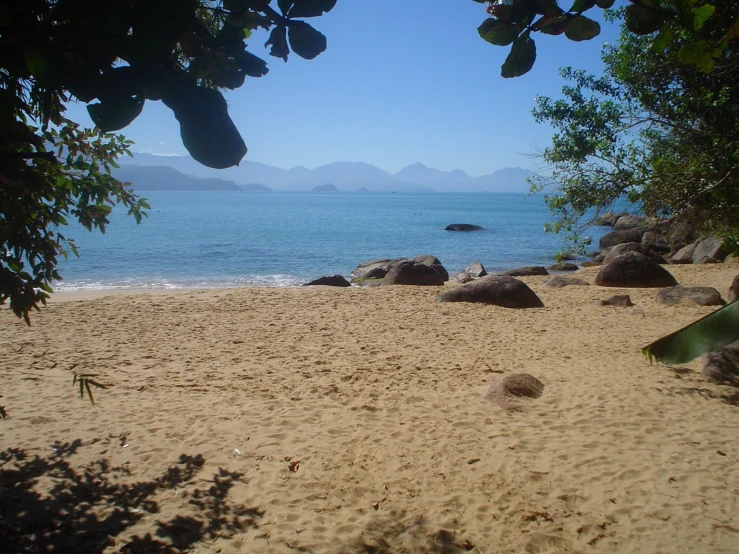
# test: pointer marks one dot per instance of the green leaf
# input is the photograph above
(543, 7)
(709, 333)
(605, 4)
(498, 32)
(305, 41)
(113, 115)
(521, 58)
(643, 21)
(701, 15)
(552, 25)
(278, 42)
(581, 5)
(311, 8)
(582, 28)
(700, 54)
(662, 40)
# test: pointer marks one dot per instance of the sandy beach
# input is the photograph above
(353, 420)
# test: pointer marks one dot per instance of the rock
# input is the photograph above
(526, 271)
(654, 242)
(506, 392)
(563, 266)
(375, 269)
(591, 263)
(609, 219)
(632, 269)
(682, 230)
(463, 227)
(559, 281)
(408, 272)
(330, 281)
(600, 256)
(433, 262)
(685, 254)
(623, 300)
(732, 259)
(475, 270)
(709, 250)
(733, 293)
(462, 278)
(722, 366)
(703, 296)
(617, 237)
(630, 222)
(622, 248)
(499, 290)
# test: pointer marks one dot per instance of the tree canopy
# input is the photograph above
(663, 133)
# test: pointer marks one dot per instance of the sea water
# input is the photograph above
(231, 239)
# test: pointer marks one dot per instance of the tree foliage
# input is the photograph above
(660, 132)
(512, 22)
(114, 56)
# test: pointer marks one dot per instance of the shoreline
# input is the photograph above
(275, 419)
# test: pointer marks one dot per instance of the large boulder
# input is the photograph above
(433, 262)
(559, 281)
(685, 254)
(622, 248)
(563, 266)
(654, 242)
(375, 269)
(733, 293)
(630, 222)
(722, 366)
(617, 237)
(703, 296)
(408, 272)
(526, 271)
(462, 278)
(709, 250)
(475, 270)
(330, 281)
(634, 270)
(463, 227)
(499, 290)
(609, 219)
(506, 392)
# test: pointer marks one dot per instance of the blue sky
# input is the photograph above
(402, 81)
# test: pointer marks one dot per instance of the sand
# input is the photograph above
(353, 420)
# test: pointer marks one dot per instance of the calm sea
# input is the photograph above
(230, 239)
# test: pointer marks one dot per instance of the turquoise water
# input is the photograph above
(227, 239)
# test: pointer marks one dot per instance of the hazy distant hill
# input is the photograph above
(325, 188)
(166, 178)
(351, 176)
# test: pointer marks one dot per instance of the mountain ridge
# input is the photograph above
(347, 176)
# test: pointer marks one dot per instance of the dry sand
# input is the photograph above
(353, 420)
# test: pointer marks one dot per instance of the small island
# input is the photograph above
(463, 227)
(325, 188)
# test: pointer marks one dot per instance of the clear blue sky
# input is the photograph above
(402, 81)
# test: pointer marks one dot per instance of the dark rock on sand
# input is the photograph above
(703, 296)
(722, 366)
(433, 262)
(685, 254)
(709, 250)
(462, 278)
(634, 270)
(408, 272)
(499, 290)
(563, 266)
(475, 270)
(330, 281)
(506, 392)
(733, 293)
(526, 271)
(617, 237)
(623, 300)
(559, 281)
(375, 269)
(463, 227)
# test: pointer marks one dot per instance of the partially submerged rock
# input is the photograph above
(703, 296)
(499, 290)
(722, 366)
(330, 281)
(634, 270)
(375, 269)
(463, 227)
(506, 392)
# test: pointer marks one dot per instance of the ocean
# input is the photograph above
(235, 239)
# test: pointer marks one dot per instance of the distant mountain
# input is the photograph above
(256, 187)
(509, 179)
(166, 178)
(352, 176)
(325, 188)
